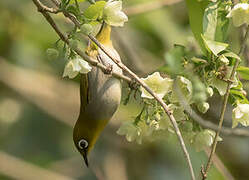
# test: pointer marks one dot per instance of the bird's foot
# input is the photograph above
(108, 69)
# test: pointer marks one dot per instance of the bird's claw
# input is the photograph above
(108, 69)
(133, 84)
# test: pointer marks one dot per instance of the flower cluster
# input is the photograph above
(159, 85)
(196, 77)
(152, 122)
(109, 12)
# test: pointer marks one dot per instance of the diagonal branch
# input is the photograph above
(124, 68)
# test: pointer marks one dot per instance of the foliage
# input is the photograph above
(194, 76)
(31, 111)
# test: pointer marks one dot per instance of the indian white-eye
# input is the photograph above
(100, 95)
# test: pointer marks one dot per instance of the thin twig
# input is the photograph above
(220, 166)
(224, 107)
(124, 68)
(149, 6)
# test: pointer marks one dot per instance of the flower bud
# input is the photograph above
(86, 29)
(187, 126)
(210, 91)
(52, 54)
(203, 107)
(73, 44)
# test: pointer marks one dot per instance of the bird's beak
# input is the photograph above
(85, 159)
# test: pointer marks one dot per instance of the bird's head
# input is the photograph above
(84, 139)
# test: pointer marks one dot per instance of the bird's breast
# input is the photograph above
(104, 90)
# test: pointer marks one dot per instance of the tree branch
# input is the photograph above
(48, 9)
(125, 69)
(220, 166)
(204, 174)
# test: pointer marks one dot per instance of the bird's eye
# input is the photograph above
(83, 144)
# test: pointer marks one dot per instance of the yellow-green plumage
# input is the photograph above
(100, 95)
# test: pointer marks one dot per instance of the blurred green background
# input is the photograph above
(38, 107)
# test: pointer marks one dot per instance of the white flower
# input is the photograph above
(186, 89)
(204, 139)
(159, 85)
(239, 14)
(113, 15)
(76, 66)
(241, 115)
(131, 132)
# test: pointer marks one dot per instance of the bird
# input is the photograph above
(100, 95)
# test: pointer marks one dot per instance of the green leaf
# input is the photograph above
(243, 72)
(95, 10)
(214, 46)
(72, 9)
(210, 20)
(238, 96)
(198, 60)
(231, 55)
(215, 22)
(222, 22)
(196, 11)
(220, 85)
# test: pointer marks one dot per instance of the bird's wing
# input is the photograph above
(84, 91)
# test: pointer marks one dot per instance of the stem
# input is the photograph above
(204, 173)
(125, 69)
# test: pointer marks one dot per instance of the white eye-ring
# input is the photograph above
(83, 144)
